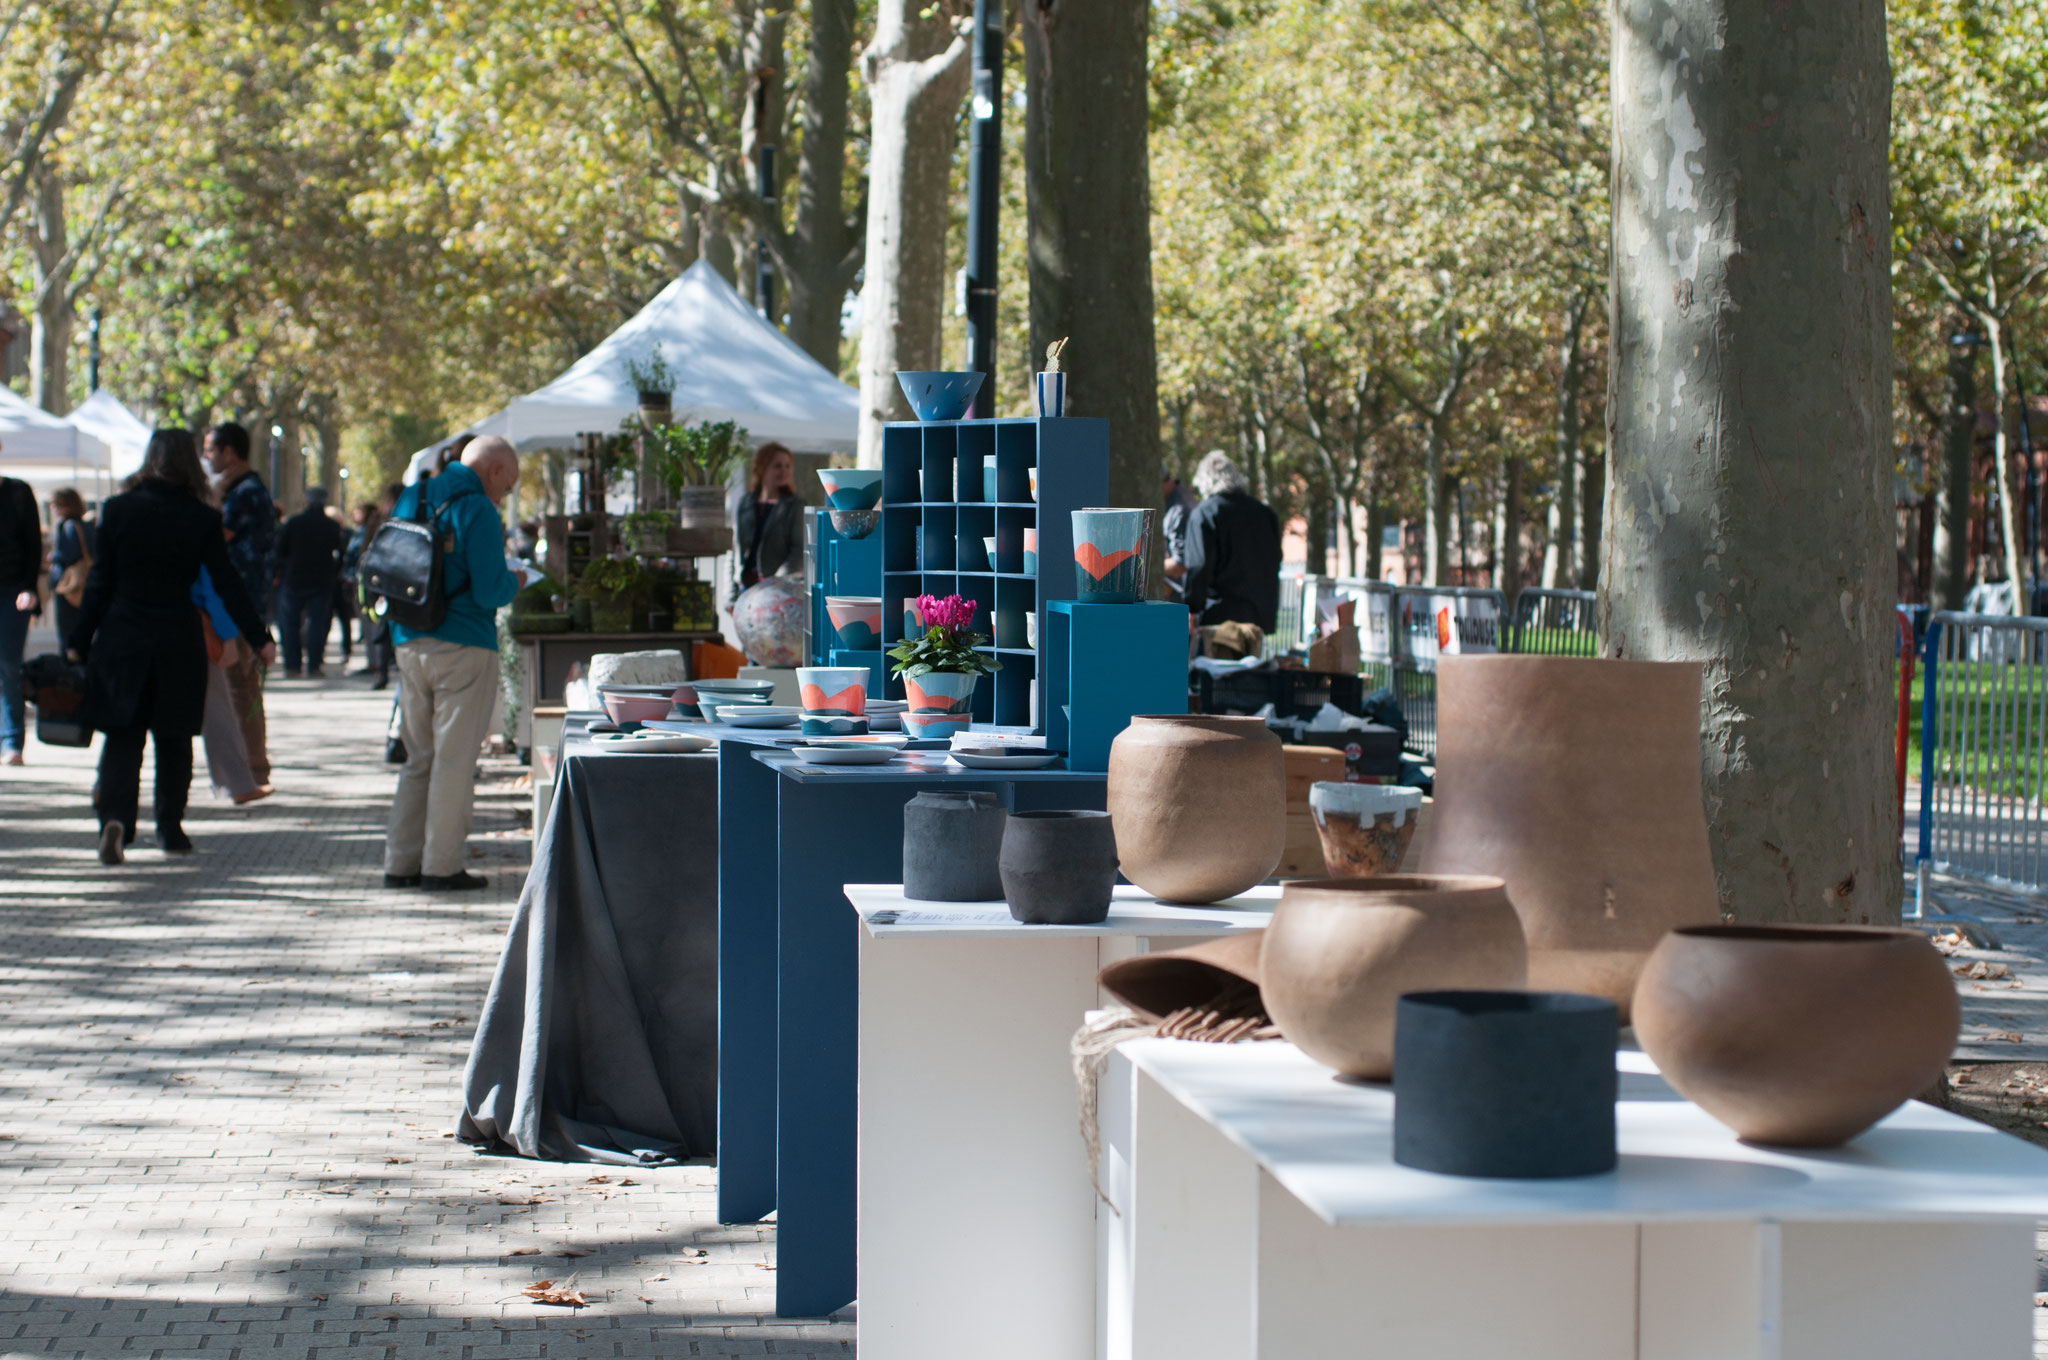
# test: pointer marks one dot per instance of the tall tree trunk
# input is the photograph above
(1436, 509)
(916, 81)
(1592, 517)
(1749, 419)
(1088, 198)
(1560, 551)
(1375, 528)
(828, 244)
(53, 317)
(1507, 543)
(2001, 466)
(761, 123)
(1958, 469)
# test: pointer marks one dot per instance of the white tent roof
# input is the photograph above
(29, 435)
(730, 364)
(102, 416)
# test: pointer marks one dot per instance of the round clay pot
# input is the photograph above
(1364, 828)
(1200, 804)
(1578, 781)
(1059, 868)
(1341, 951)
(1802, 1036)
(952, 841)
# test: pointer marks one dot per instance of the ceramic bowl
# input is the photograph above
(633, 708)
(710, 704)
(851, 488)
(940, 396)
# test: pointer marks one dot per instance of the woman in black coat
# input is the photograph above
(138, 632)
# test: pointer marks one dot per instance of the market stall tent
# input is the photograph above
(729, 364)
(124, 434)
(47, 452)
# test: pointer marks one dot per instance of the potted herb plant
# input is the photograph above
(617, 588)
(941, 665)
(646, 531)
(654, 383)
(691, 461)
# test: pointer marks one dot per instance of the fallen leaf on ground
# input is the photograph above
(2011, 1037)
(1981, 969)
(524, 1251)
(599, 1180)
(645, 1299)
(652, 1278)
(762, 1265)
(522, 1199)
(560, 1296)
(321, 1297)
(628, 1180)
(570, 1252)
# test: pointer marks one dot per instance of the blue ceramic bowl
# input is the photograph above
(940, 396)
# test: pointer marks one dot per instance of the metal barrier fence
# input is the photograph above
(1554, 622)
(1983, 771)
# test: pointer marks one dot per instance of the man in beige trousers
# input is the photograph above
(448, 677)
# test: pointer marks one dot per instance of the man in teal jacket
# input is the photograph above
(448, 678)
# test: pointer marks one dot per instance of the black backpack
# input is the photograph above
(402, 569)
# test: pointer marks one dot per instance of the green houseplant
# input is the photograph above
(940, 666)
(652, 380)
(617, 588)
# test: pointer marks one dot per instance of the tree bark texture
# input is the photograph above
(1088, 199)
(828, 244)
(1592, 516)
(916, 80)
(1560, 551)
(53, 318)
(1958, 449)
(1749, 511)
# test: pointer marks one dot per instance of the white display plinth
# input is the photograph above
(1262, 1215)
(977, 1224)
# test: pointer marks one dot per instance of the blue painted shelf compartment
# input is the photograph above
(1120, 660)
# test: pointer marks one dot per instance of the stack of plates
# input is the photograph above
(886, 715)
(715, 694)
(758, 715)
(867, 750)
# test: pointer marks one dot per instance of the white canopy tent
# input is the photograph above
(729, 364)
(46, 451)
(125, 436)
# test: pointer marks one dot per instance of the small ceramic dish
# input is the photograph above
(1015, 758)
(845, 755)
(650, 742)
(860, 743)
(758, 715)
(623, 707)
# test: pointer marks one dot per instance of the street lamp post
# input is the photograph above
(984, 201)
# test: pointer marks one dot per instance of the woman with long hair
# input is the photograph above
(768, 517)
(141, 640)
(71, 545)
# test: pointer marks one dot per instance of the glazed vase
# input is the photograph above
(1364, 828)
(1109, 555)
(1058, 868)
(952, 846)
(856, 621)
(1578, 781)
(1341, 951)
(941, 703)
(1800, 1036)
(835, 700)
(1200, 804)
(1461, 1058)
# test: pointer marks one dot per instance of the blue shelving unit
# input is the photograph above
(1110, 663)
(846, 566)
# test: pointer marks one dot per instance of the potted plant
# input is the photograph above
(655, 383)
(616, 587)
(646, 531)
(692, 461)
(940, 666)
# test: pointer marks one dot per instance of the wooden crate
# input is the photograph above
(1308, 765)
(1303, 857)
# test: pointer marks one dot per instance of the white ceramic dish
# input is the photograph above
(758, 717)
(862, 743)
(687, 726)
(662, 743)
(1034, 760)
(845, 755)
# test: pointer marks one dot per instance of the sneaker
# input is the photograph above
(112, 836)
(401, 880)
(173, 841)
(462, 881)
(10, 756)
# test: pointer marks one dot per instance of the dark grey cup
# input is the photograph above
(1059, 867)
(1514, 1084)
(951, 842)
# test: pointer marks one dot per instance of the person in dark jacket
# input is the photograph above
(308, 569)
(71, 543)
(1233, 549)
(21, 563)
(768, 517)
(249, 523)
(139, 636)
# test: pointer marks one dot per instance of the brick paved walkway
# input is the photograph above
(228, 1081)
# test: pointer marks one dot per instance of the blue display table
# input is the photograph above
(790, 837)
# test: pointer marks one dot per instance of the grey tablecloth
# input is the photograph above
(599, 1040)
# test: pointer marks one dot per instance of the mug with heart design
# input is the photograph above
(1109, 550)
(835, 700)
(1031, 552)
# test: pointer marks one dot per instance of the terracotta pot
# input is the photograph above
(1577, 781)
(1199, 803)
(1341, 951)
(1802, 1036)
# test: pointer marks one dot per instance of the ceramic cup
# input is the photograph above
(988, 545)
(1365, 828)
(1058, 868)
(988, 480)
(1030, 552)
(1031, 629)
(857, 620)
(1034, 484)
(835, 700)
(1109, 552)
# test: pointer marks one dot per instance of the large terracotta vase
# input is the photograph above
(1341, 951)
(1199, 803)
(1802, 1036)
(1577, 781)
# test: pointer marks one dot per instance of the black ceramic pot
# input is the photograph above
(1514, 1084)
(951, 842)
(1059, 867)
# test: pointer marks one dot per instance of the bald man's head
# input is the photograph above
(495, 464)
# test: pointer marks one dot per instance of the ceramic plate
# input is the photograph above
(845, 755)
(1033, 760)
(687, 726)
(758, 716)
(864, 743)
(667, 743)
